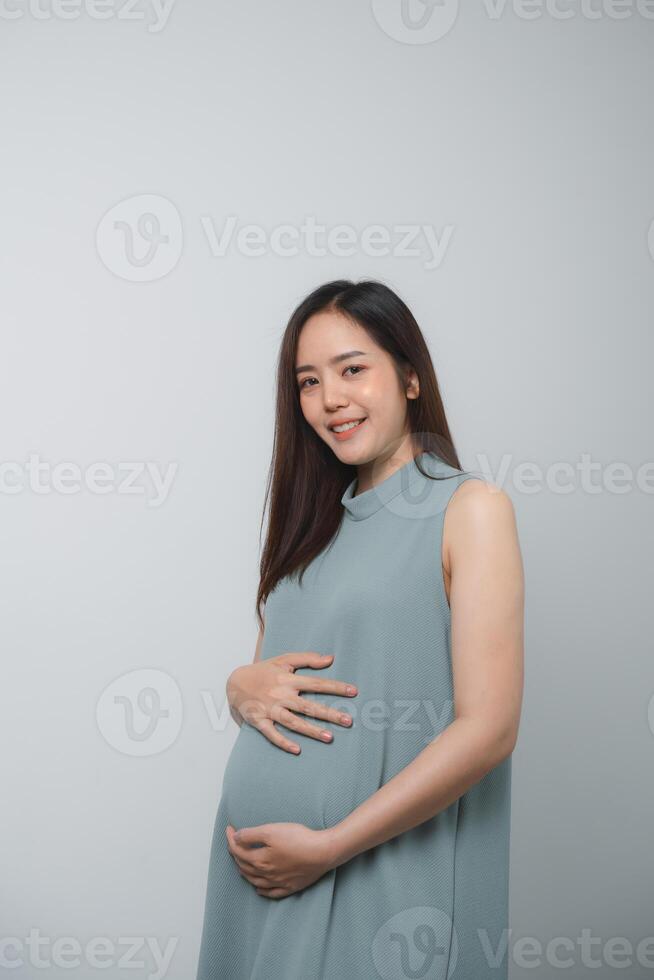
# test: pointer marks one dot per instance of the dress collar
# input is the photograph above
(362, 505)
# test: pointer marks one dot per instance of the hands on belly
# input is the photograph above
(269, 691)
(281, 858)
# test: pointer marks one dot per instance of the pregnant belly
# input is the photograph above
(320, 786)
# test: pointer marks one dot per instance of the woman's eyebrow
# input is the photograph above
(333, 360)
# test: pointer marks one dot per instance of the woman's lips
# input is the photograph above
(348, 433)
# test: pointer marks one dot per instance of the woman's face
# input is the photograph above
(343, 375)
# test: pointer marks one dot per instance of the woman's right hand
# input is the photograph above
(268, 691)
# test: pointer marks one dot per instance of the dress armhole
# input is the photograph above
(441, 525)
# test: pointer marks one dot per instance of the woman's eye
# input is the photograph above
(350, 367)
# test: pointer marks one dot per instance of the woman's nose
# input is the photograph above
(332, 396)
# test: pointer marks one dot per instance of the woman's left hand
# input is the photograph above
(292, 856)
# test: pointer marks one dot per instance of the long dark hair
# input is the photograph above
(306, 480)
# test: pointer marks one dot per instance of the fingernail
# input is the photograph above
(326, 736)
(350, 689)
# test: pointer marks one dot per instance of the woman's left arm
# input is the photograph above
(482, 561)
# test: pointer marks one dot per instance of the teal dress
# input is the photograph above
(432, 902)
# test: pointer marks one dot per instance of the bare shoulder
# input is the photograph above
(480, 500)
(479, 514)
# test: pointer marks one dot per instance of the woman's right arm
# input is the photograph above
(268, 691)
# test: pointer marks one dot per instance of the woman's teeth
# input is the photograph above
(347, 425)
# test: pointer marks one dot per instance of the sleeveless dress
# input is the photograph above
(431, 902)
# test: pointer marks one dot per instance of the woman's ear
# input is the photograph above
(413, 385)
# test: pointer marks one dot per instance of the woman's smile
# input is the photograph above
(349, 431)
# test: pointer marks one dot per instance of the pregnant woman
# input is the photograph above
(392, 591)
